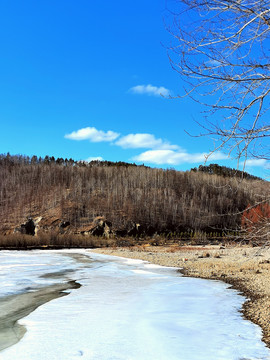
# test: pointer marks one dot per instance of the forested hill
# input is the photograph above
(118, 198)
(215, 169)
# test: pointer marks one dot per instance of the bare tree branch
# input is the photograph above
(221, 49)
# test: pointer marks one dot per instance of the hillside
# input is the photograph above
(215, 169)
(118, 199)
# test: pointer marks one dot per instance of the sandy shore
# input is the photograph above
(246, 269)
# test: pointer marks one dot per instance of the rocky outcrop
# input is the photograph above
(27, 228)
(99, 226)
(135, 230)
(64, 226)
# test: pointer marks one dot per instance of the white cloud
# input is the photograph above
(93, 158)
(150, 90)
(218, 155)
(92, 134)
(171, 157)
(134, 141)
(159, 152)
(255, 162)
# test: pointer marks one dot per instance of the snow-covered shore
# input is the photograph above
(129, 309)
(245, 268)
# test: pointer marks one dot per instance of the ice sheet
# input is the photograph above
(22, 271)
(123, 311)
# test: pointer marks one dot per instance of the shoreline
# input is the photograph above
(15, 307)
(245, 268)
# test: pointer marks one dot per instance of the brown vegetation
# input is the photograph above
(255, 222)
(65, 197)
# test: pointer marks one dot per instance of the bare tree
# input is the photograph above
(221, 49)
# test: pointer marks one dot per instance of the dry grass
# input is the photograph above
(54, 240)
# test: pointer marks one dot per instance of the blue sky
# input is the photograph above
(82, 79)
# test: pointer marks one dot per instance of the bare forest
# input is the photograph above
(76, 197)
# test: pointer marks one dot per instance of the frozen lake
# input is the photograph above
(124, 309)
